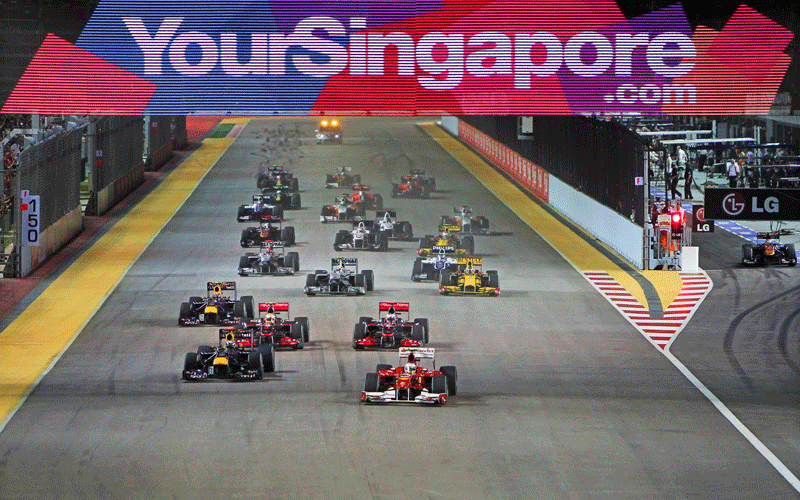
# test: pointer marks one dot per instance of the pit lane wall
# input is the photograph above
(605, 224)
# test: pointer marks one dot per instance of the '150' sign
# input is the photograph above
(29, 208)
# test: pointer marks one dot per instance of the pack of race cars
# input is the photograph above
(250, 332)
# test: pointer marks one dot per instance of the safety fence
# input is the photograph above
(607, 225)
(599, 158)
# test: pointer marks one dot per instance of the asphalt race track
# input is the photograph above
(559, 397)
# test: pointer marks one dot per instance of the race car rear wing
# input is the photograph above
(345, 261)
(450, 228)
(398, 306)
(463, 209)
(419, 352)
(381, 213)
(273, 307)
(368, 224)
(772, 235)
(476, 261)
(235, 334)
(273, 244)
(270, 218)
(416, 171)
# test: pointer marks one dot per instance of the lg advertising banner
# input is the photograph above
(553, 57)
(752, 204)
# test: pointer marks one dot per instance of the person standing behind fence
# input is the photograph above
(673, 179)
(688, 178)
(733, 172)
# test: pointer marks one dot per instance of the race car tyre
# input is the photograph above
(418, 333)
(359, 332)
(378, 202)
(296, 186)
(303, 321)
(791, 253)
(293, 260)
(256, 363)
(190, 363)
(244, 262)
(357, 179)
(423, 242)
(296, 332)
(241, 212)
(267, 352)
(365, 319)
(747, 253)
(484, 225)
(192, 300)
(372, 382)
(444, 279)
(327, 211)
(329, 179)
(417, 269)
(287, 235)
(320, 271)
(469, 244)
(452, 379)
(204, 348)
(369, 279)
(494, 280)
(186, 310)
(383, 242)
(360, 281)
(338, 239)
(439, 384)
(424, 323)
(248, 306)
(245, 238)
(295, 201)
(382, 367)
(432, 184)
(426, 192)
(239, 309)
(406, 230)
(311, 280)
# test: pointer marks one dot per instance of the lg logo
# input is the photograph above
(733, 204)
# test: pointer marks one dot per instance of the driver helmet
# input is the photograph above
(230, 344)
(445, 235)
(269, 319)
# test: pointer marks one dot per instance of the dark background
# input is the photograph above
(25, 23)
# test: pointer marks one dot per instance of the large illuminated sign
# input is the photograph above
(403, 57)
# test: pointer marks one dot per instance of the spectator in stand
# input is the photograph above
(734, 172)
(752, 177)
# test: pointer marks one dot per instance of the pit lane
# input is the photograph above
(558, 396)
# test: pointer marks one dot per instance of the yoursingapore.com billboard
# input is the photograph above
(403, 57)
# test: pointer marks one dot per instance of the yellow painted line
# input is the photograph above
(582, 255)
(667, 283)
(35, 340)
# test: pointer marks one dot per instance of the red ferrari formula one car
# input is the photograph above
(411, 383)
(390, 331)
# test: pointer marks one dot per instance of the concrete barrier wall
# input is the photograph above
(608, 226)
(51, 240)
(119, 189)
(605, 224)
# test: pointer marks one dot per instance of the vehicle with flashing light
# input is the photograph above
(329, 130)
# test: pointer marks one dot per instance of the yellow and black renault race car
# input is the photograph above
(446, 242)
(470, 280)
